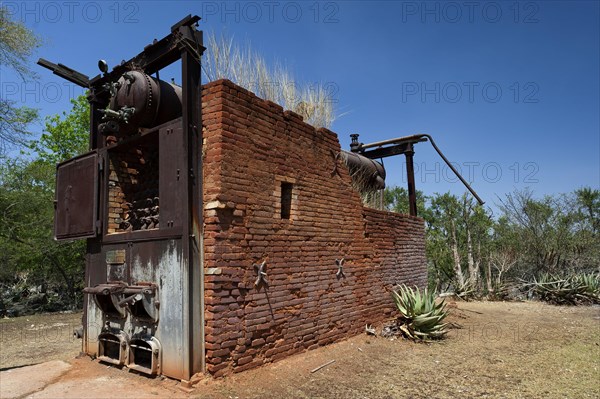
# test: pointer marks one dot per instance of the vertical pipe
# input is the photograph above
(410, 172)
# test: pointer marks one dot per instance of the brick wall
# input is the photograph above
(253, 149)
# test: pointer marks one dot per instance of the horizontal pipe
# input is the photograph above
(419, 138)
(413, 138)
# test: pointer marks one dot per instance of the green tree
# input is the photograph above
(26, 215)
(28, 250)
(542, 226)
(587, 201)
(555, 234)
(65, 136)
(396, 200)
(17, 43)
(458, 241)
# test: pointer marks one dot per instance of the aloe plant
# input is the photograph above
(590, 285)
(570, 290)
(420, 316)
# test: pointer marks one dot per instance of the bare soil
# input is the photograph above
(498, 350)
(38, 338)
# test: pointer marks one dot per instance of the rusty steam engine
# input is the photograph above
(137, 199)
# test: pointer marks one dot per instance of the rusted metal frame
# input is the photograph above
(94, 118)
(385, 152)
(105, 289)
(143, 132)
(401, 143)
(404, 145)
(467, 185)
(96, 104)
(410, 174)
(139, 235)
(143, 235)
(66, 73)
(59, 224)
(193, 287)
(104, 191)
(415, 138)
(153, 58)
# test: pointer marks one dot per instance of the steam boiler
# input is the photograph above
(136, 197)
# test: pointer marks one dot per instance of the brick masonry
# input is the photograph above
(252, 148)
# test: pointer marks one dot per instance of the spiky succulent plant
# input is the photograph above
(421, 318)
(569, 290)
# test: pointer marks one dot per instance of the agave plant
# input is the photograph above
(589, 286)
(420, 316)
(570, 290)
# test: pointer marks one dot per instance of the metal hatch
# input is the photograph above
(76, 198)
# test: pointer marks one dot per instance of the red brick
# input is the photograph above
(252, 144)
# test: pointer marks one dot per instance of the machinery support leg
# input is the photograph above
(410, 172)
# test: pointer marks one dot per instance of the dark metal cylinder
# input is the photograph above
(366, 173)
(154, 101)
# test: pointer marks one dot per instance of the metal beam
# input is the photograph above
(158, 54)
(65, 72)
(190, 50)
(385, 152)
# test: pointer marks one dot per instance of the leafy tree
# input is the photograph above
(16, 46)
(396, 200)
(458, 235)
(556, 234)
(542, 227)
(587, 202)
(66, 136)
(29, 253)
(446, 223)
(26, 215)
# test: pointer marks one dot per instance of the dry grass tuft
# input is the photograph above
(226, 59)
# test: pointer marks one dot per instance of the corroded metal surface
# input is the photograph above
(76, 197)
(367, 173)
(137, 198)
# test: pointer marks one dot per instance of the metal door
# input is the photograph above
(76, 203)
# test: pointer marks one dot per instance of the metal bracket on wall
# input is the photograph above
(336, 158)
(261, 274)
(340, 265)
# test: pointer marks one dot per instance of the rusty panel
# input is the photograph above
(76, 198)
(162, 262)
(172, 176)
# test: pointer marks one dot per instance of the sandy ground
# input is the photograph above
(502, 350)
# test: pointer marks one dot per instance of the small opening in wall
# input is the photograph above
(286, 199)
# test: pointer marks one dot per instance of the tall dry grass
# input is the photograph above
(226, 59)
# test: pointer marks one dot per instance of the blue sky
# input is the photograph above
(509, 90)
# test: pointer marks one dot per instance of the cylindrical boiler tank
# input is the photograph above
(147, 101)
(367, 174)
